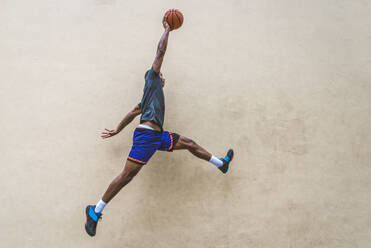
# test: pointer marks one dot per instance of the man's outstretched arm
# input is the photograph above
(161, 48)
(127, 119)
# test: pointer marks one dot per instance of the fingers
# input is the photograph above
(108, 131)
(108, 134)
(165, 23)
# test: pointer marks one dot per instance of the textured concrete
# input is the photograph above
(285, 83)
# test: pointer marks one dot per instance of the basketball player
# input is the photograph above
(148, 136)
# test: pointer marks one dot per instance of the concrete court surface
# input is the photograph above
(285, 83)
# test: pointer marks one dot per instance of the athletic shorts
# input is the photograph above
(146, 142)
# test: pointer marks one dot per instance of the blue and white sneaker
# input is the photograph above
(91, 220)
(226, 160)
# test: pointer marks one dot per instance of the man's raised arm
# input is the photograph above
(161, 48)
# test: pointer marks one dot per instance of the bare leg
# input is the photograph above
(193, 147)
(130, 171)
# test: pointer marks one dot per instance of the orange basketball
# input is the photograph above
(175, 18)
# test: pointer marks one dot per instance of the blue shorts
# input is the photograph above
(146, 142)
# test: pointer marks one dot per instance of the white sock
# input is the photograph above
(99, 207)
(215, 161)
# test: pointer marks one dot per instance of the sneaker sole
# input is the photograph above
(86, 221)
(232, 154)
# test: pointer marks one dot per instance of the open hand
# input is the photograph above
(166, 24)
(108, 133)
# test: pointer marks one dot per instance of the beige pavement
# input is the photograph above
(286, 83)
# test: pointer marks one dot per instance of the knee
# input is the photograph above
(126, 176)
(132, 174)
(191, 145)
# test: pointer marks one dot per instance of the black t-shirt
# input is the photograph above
(153, 100)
